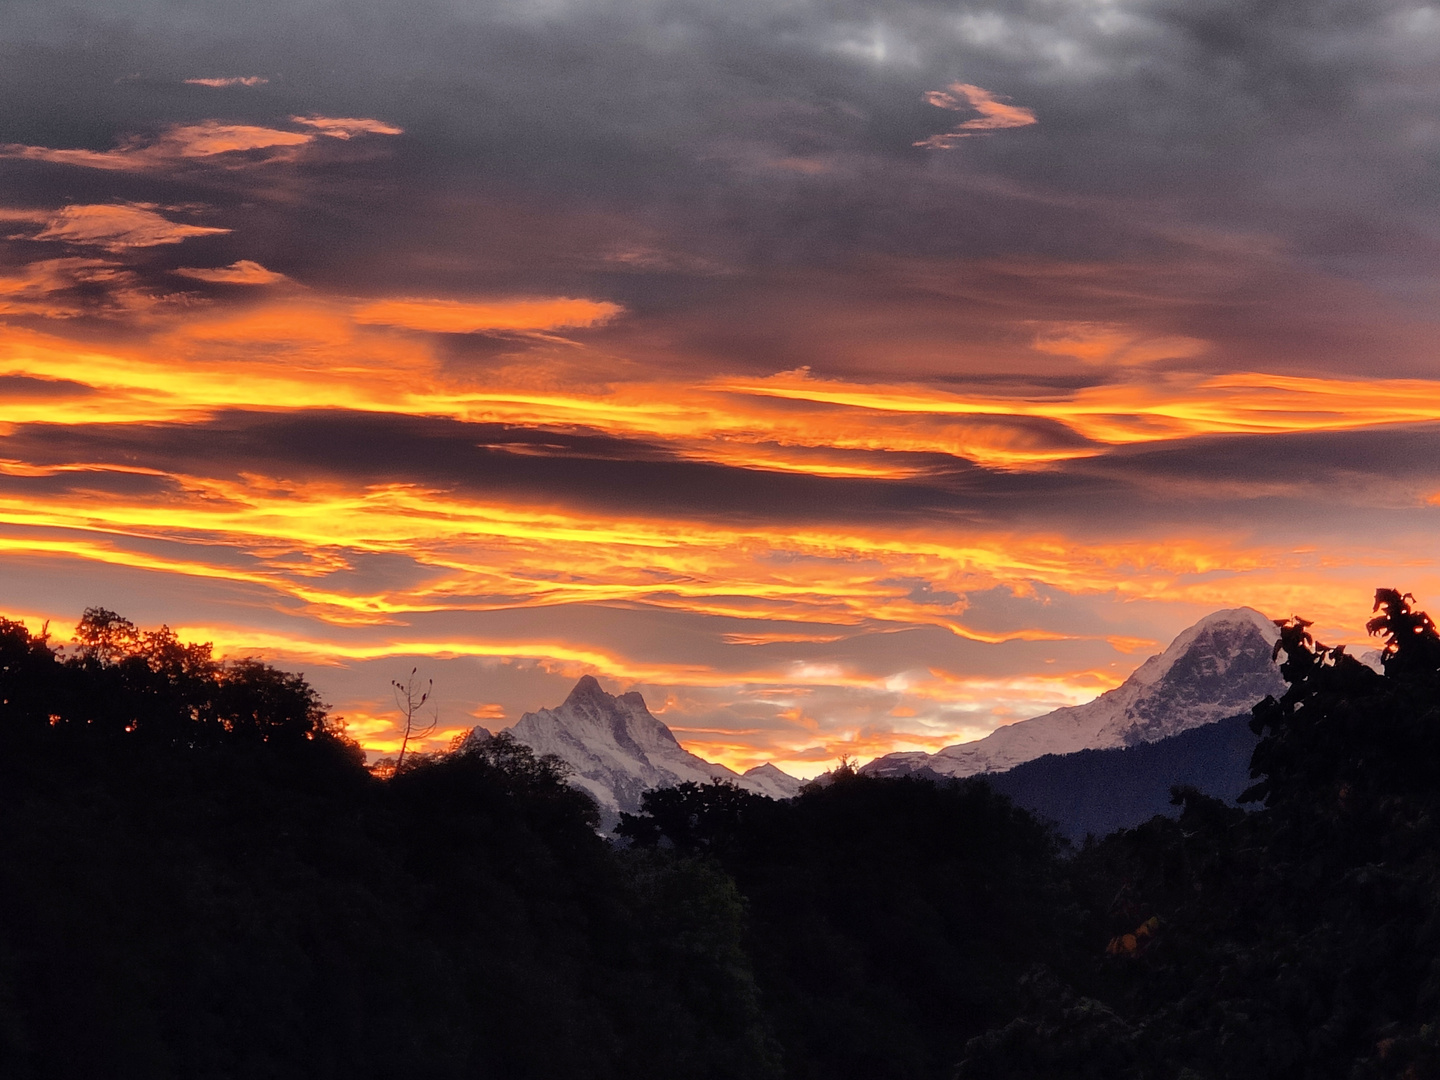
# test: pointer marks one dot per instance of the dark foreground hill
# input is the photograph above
(199, 879)
(1095, 792)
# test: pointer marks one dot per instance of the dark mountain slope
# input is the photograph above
(1099, 791)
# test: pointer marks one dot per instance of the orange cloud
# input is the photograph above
(27, 216)
(244, 272)
(1181, 405)
(227, 81)
(213, 138)
(208, 141)
(294, 544)
(994, 115)
(1111, 343)
(31, 289)
(346, 127)
(297, 548)
(841, 580)
(181, 142)
(460, 317)
(117, 226)
(311, 352)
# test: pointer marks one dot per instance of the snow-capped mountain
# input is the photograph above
(1217, 668)
(619, 750)
(769, 780)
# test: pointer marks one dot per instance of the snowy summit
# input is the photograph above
(1217, 668)
(618, 750)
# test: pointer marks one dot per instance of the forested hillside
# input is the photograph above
(1095, 792)
(199, 878)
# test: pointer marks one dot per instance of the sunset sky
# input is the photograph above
(844, 377)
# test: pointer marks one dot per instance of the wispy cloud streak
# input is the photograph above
(995, 115)
(241, 272)
(226, 81)
(212, 142)
(118, 226)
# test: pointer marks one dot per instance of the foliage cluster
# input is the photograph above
(890, 918)
(147, 688)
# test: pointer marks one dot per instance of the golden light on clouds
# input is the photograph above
(118, 226)
(460, 317)
(240, 272)
(347, 127)
(317, 353)
(1110, 343)
(480, 554)
(446, 450)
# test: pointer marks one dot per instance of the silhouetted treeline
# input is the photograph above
(890, 918)
(199, 878)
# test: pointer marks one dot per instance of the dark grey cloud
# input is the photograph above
(591, 470)
(1319, 484)
(1314, 475)
(754, 132)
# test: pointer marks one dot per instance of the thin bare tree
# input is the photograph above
(410, 699)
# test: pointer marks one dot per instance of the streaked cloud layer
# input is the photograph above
(661, 343)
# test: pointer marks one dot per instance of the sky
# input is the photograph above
(844, 377)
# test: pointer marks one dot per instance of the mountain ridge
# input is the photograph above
(1214, 669)
(617, 750)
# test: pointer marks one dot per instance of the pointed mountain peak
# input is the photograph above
(1217, 668)
(1240, 616)
(617, 748)
(587, 689)
(1230, 627)
(770, 780)
(589, 698)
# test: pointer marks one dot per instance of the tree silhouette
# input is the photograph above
(1411, 645)
(105, 637)
(410, 699)
(28, 679)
